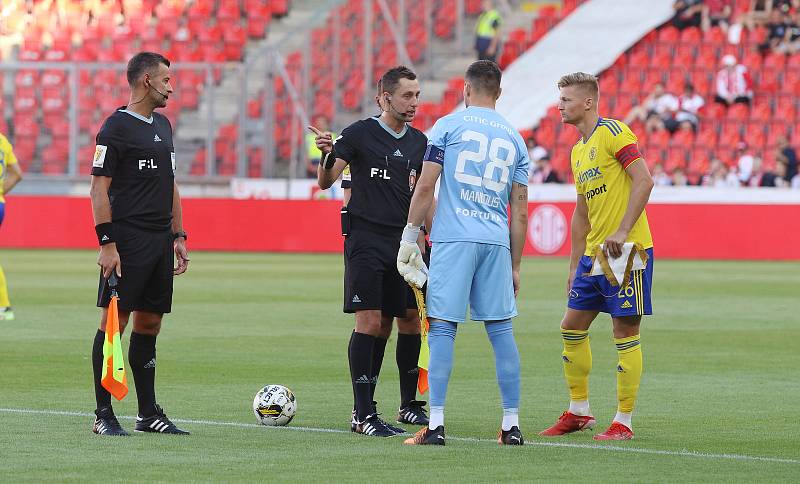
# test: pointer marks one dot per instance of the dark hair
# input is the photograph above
(391, 78)
(484, 76)
(144, 62)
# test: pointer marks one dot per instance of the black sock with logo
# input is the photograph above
(142, 358)
(360, 355)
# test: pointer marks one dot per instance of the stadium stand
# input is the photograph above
(33, 101)
(676, 57)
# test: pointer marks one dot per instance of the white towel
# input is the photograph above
(618, 265)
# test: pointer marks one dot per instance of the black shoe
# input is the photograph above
(413, 414)
(393, 428)
(426, 436)
(106, 423)
(510, 437)
(374, 426)
(158, 423)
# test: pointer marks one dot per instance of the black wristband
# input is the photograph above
(180, 233)
(104, 233)
(329, 159)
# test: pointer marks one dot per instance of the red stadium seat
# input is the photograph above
(691, 35)
(714, 35)
(754, 134)
(668, 34)
(774, 61)
(707, 137)
(737, 112)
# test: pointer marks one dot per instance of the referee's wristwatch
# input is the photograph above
(180, 234)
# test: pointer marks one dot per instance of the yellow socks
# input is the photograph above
(4, 302)
(629, 372)
(577, 358)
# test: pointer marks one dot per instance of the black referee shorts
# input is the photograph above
(147, 262)
(371, 280)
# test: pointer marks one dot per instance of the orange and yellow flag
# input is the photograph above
(114, 379)
(424, 350)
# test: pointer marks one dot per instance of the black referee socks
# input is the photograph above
(377, 361)
(407, 355)
(360, 356)
(101, 395)
(142, 358)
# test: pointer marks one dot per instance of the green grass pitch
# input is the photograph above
(718, 401)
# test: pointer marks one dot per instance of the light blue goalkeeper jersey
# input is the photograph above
(481, 155)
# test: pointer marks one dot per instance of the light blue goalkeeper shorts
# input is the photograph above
(470, 274)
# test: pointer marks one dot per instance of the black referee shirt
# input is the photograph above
(384, 166)
(138, 154)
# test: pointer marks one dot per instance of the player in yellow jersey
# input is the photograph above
(613, 186)
(10, 175)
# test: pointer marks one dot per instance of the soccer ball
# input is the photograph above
(274, 405)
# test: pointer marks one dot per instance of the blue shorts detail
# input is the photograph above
(595, 293)
(2, 211)
(470, 274)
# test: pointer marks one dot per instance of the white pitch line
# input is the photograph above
(609, 448)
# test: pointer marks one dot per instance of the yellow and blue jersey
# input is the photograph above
(598, 166)
(7, 158)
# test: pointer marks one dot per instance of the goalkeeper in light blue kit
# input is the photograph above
(483, 163)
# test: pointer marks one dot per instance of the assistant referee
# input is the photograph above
(384, 154)
(138, 220)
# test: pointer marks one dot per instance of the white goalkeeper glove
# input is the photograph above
(409, 258)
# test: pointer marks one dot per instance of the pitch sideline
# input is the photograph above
(610, 448)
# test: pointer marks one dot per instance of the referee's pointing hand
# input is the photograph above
(324, 140)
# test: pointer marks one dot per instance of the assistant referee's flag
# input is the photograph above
(424, 350)
(114, 379)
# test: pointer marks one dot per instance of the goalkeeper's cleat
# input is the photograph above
(413, 413)
(568, 423)
(426, 436)
(6, 314)
(617, 431)
(375, 427)
(158, 423)
(106, 423)
(510, 437)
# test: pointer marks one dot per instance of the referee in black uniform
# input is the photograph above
(385, 155)
(137, 216)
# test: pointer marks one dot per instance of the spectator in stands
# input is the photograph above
(787, 156)
(733, 83)
(689, 104)
(777, 27)
(719, 175)
(791, 41)
(745, 162)
(760, 177)
(542, 172)
(795, 183)
(688, 13)
(535, 151)
(487, 32)
(780, 180)
(758, 14)
(313, 154)
(659, 107)
(679, 178)
(716, 13)
(660, 177)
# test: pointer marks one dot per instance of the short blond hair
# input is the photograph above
(582, 80)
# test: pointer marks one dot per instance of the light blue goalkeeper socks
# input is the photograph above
(441, 340)
(506, 360)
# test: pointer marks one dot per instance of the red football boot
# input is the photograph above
(568, 423)
(617, 431)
